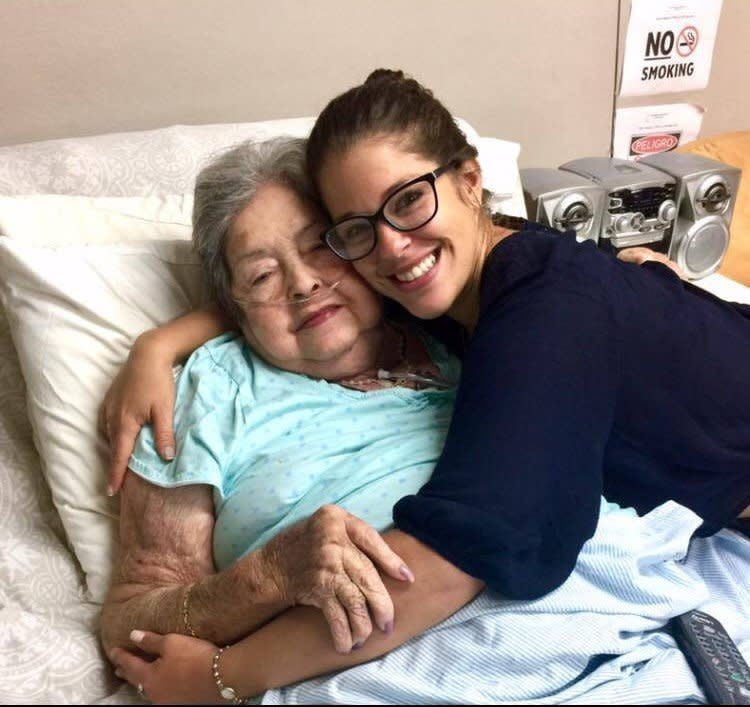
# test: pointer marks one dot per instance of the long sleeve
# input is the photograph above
(517, 490)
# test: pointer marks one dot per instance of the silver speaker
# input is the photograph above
(640, 202)
(563, 201)
(707, 192)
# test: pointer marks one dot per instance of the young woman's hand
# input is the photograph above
(329, 561)
(169, 669)
(142, 392)
(640, 255)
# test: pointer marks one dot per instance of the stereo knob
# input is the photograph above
(622, 224)
(636, 221)
(667, 211)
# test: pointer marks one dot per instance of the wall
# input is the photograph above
(512, 68)
(727, 104)
(541, 72)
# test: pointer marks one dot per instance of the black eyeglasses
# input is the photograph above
(410, 207)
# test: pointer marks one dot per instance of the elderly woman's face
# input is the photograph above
(282, 275)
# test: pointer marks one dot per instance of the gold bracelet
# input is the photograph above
(227, 693)
(185, 611)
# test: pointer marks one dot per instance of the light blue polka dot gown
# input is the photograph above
(275, 446)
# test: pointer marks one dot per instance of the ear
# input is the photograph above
(470, 180)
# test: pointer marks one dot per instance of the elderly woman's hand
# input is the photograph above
(328, 561)
(143, 392)
(642, 255)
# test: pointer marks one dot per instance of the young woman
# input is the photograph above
(582, 374)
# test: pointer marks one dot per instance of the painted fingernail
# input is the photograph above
(388, 628)
(169, 452)
(357, 646)
(110, 491)
(406, 573)
(136, 636)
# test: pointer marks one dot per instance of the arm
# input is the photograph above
(143, 390)
(165, 546)
(325, 561)
(299, 636)
(516, 492)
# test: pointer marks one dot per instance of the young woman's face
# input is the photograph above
(425, 270)
(304, 308)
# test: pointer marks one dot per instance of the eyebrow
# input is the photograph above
(387, 194)
(264, 252)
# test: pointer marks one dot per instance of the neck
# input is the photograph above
(380, 347)
(465, 309)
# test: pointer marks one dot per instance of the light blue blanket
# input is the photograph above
(598, 639)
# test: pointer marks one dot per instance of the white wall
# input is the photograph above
(541, 72)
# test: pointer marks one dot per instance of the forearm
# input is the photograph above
(223, 607)
(177, 339)
(297, 645)
(165, 547)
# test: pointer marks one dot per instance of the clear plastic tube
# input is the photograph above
(319, 294)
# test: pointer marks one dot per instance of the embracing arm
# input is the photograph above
(300, 635)
(326, 561)
(143, 390)
(165, 546)
(295, 645)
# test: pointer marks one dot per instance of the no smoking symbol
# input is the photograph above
(687, 40)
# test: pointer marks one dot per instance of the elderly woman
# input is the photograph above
(274, 424)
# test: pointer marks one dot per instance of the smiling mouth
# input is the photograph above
(319, 317)
(419, 273)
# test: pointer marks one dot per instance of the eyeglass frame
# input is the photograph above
(379, 215)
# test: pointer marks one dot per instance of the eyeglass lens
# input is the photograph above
(407, 209)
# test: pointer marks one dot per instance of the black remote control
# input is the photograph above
(714, 658)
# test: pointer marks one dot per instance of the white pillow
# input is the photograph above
(166, 160)
(74, 312)
(53, 220)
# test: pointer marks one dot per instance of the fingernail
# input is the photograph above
(388, 628)
(169, 452)
(136, 636)
(357, 646)
(406, 573)
(110, 491)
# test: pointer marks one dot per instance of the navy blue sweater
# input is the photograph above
(585, 376)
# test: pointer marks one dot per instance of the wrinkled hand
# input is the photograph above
(171, 669)
(640, 255)
(328, 561)
(142, 392)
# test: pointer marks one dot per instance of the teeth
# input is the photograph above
(418, 270)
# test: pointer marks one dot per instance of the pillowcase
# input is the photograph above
(166, 160)
(74, 312)
(54, 220)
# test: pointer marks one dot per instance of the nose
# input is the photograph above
(303, 282)
(391, 244)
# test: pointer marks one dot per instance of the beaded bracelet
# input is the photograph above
(227, 693)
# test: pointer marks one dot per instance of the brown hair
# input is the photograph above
(388, 102)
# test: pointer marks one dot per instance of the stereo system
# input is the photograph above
(677, 204)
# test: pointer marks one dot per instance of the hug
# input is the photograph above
(401, 407)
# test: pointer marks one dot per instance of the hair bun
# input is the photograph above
(381, 75)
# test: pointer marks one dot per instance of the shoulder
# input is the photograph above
(537, 258)
(221, 364)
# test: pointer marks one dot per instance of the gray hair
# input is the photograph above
(225, 187)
